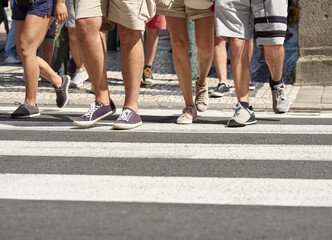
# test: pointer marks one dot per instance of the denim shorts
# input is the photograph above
(38, 8)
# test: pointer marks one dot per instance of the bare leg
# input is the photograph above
(73, 45)
(92, 46)
(132, 62)
(29, 35)
(251, 49)
(220, 58)
(274, 57)
(240, 67)
(151, 44)
(47, 50)
(180, 46)
(204, 28)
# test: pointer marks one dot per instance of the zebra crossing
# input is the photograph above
(272, 180)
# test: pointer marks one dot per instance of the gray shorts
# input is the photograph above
(70, 23)
(234, 20)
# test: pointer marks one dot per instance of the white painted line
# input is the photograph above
(166, 150)
(182, 190)
(106, 126)
(175, 112)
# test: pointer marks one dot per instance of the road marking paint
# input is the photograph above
(166, 150)
(186, 190)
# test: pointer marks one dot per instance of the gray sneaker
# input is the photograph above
(251, 86)
(202, 97)
(12, 59)
(127, 120)
(62, 95)
(242, 117)
(221, 88)
(189, 114)
(25, 110)
(280, 102)
(96, 112)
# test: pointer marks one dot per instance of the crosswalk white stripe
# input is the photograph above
(176, 112)
(184, 190)
(106, 126)
(167, 150)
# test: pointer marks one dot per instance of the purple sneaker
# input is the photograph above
(96, 112)
(127, 120)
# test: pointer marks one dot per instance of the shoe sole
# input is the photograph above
(281, 112)
(213, 94)
(252, 88)
(90, 123)
(186, 122)
(74, 85)
(146, 83)
(233, 123)
(29, 116)
(124, 126)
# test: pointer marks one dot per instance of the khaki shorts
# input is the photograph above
(189, 9)
(132, 14)
(87, 9)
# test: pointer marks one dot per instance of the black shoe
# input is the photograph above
(25, 110)
(62, 91)
(220, 90)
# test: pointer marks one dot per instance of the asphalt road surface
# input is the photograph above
(271, 180)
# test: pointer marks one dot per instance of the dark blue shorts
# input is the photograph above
(38, 8)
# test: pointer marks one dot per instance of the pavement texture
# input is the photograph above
(165, 91)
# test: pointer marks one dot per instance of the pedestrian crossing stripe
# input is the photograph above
(180, 190)
(169, 150)
(106, 126)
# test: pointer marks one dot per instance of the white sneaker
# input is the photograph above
(11, 59)
(188, 116)
(79, 78)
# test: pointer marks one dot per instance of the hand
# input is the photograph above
(60, 12)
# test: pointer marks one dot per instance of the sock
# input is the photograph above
(273, 83)
(245, 104)
(147, 66)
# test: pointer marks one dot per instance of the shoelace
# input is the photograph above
(59, 89)
(220, 85)
(237, 109)
(92, 109)
(187, 111)
(201, 92)
(125, 115)
(147, 72)
(280, 93)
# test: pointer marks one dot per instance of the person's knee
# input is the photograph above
(81, 26)
(129, 37)
(237, 45)
(272, 50)
(25, 50)
(87, 27)
(180, 44)
(205, 49)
